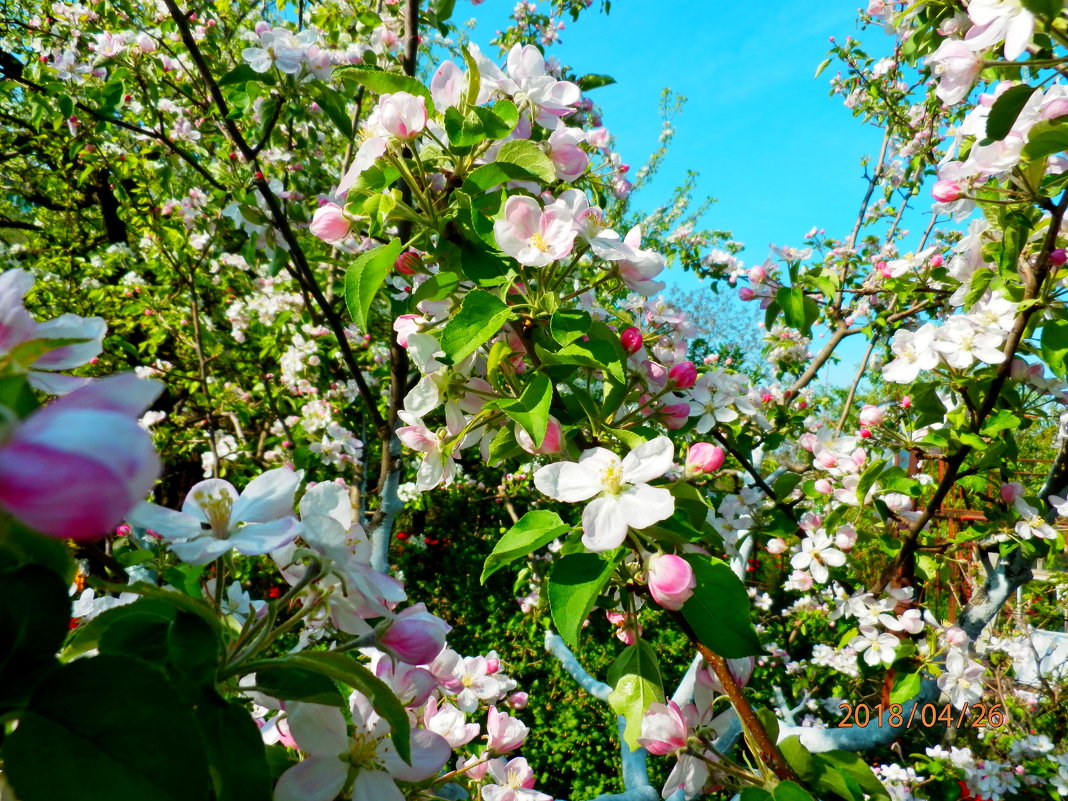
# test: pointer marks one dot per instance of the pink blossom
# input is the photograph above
(1058, 257)
(402, 115)
(631, 340)
(671, 580)
(74, 468)
(408, 262)
(946, 191)
(675, 415)
(957, 65)
(330, 224)
(684, 374)
(871, 415)
(415, 636)
(703, 457)
(405, 326)
(776, 546)
(552, 443)
(567, 157)
(504, 733)
(665, 727)
(447, 86)
(518, 700)
(532, 236)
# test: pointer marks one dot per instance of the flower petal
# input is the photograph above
(312, 780)
(171, 525)
(643, 505)
(319, 730)
(263, 537)
(648, 461)
(604, 525)
(267, 497)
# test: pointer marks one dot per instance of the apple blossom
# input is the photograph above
(871, 416)
(504, 733)
(74, 468)
(446, 720)
(915, 352)
(962, 680)
(946, 191)
(957, 65)
(683, 375)
(330, 223)
(532, 236)
(215, 519)
(401, 115)
(703, 457)
(22, 339)
(816, 555)
(512, 781)
(671, 580)
(623, 499)
(415, 636)
(551, 444)
(666, 727)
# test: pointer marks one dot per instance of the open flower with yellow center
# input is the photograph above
(623, 499)
(533, 236)
(214, 518)
(362, 765)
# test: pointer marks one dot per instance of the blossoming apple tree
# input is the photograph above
(428, 265)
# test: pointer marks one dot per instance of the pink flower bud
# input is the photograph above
(865, 433)
(757, 274)
(937, 260)
(671, 580)
(402, 115)
(808, 441)
(631, 339)
(746, 293)
(906, 402)
(824, 486)
(552, 443)
(407, 263)
(946, 191)
(871, 416)
(518, 700)
(330, 223)
(703, 457)
(503, 732)
(741, 671)
(684, 374)
(955, 636)
(675, 415)
(1011, 491)
(1058, 257)
(414, 640)
(123, 530)
(493, 665)
(1018, 370)
(776, 546)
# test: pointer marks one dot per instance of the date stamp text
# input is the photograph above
(926, 715)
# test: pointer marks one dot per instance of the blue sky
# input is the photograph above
(776, 151)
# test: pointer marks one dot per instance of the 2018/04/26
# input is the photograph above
(930, 715)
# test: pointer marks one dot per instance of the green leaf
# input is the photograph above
(494, 174)
(1050, 9)
(20, 546)
(567, 325)
(344, 668)
(534, 530)
(978, 286)
(243, 73)
(718, 610)
(365, 277)
(386, 83)
(236, 754)
(754, 794)
(107, 728)
(1045, 139)
(574, 584)
(636, 682)
(193, 650)
(531, 409)
(297, 684)
(1001, 420)
(481, 315)
(790, 791)
(905, 688)
(1054, 346)
(797, 757)
(437, 287)
(852, 766)
(333, 105)
(868, 479)
(443, 10)
(33, 625)
(799, 310)
(1006, 109)
(594, 81)
(524, 153)
(822, 66)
